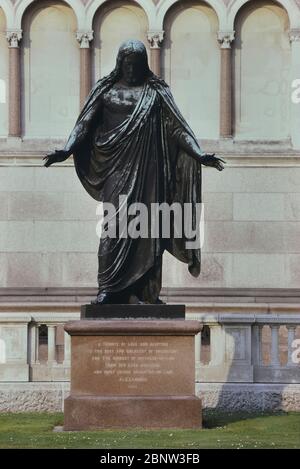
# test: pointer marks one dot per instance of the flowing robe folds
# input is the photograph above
(142, 159)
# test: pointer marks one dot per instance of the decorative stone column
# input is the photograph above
(67, 349)
(13, 37)
(198, 343)
(155, 39)
(51, 344)
(275, 345)
(34, 343)
(291, 336)
(225, 38)
(84, 38)
(256, 345)
(294, 35)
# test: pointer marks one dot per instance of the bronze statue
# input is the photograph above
(130, 138)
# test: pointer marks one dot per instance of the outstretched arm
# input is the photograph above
(189, 144)
(77, 136)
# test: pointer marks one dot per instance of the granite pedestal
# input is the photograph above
(129, 373)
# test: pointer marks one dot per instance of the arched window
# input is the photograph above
(50, 70)
(262, 64)
(114, 23)
(191, 64)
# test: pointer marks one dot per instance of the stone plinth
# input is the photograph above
(132, 373)
(14, 347)
(127, 311)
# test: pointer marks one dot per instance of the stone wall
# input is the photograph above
(49, 397)
(252, 229)
(231, 67)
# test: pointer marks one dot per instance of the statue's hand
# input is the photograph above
(209, 159)
(57, 157)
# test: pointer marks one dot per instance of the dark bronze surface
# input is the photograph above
(130, 138)
(145, 311)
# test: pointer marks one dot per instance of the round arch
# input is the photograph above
(218, 7)
(290, 7)
(8, 13)
(93, 5)
(76, 6)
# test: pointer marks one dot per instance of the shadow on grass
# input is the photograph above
(215, 418)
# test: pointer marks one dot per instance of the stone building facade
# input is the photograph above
(234, 70)
(231, 67)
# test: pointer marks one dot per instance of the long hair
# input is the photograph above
(132, 46)
(103, 84)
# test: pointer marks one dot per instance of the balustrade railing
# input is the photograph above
(235, 347)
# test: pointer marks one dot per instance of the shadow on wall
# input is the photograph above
(252, 367)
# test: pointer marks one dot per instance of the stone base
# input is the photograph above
(127, 311)
(91, 413)
(47, 372)
(14, 372)
(223, 397)
(132, 373)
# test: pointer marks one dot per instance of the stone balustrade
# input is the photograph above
(239, 343)
(31, 337)
(49, 367)
(250, 348)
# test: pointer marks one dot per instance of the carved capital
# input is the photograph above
(84, 38)
(294, 35)
(225, 38)
(155, 38)
(13, 37)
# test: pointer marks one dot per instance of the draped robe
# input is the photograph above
(142, 159)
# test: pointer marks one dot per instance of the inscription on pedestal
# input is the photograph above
(134, 363)
(131, 365)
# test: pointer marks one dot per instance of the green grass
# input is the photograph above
(281, 430)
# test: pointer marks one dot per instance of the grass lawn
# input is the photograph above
(35, 430)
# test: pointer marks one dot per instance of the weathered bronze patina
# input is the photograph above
(130, 138)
